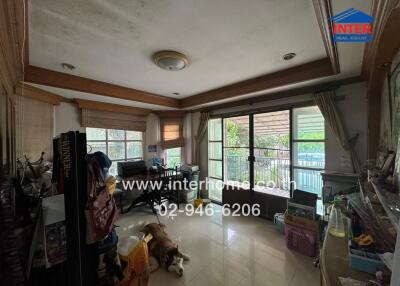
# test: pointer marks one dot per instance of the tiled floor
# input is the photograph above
(226, 251)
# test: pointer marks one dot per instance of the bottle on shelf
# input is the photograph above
(336, 225)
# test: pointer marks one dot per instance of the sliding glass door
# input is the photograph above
(272, 153)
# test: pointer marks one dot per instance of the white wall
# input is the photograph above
(353, 111)
(67, 118)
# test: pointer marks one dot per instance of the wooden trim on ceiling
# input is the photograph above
(381, 10)
(33, 92)
(283, 94)
(96, 105)
(323, 11)
(386, 49)
(171, 113)
(62, 80)
(308, 71)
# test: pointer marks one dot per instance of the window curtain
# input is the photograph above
(112, 120)
(37, 128)
(326, 103)
(171, 133)
(201, 131)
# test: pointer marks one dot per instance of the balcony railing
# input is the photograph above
(273, 170)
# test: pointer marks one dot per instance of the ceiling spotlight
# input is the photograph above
(170, 60)
(67, 66)
(289, 56)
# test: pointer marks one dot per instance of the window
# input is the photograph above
(215, 159)
(173, 157)
(308, 149)
(119, 145)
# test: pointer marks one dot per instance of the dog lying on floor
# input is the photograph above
(162, 251)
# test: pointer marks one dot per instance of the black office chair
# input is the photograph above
(169, 190)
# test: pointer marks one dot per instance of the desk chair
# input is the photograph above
(168, 176)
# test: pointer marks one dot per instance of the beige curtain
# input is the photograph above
(113, 120)
(171, 133)
(326, 104)
(201, 131)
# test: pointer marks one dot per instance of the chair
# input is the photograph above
(168, 191)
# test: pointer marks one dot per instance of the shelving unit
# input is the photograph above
(387, 200)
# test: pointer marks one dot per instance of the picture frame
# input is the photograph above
(152, 148)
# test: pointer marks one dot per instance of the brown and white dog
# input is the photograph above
(163, 251)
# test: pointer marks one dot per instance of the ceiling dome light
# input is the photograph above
(67, 66)
(170, 60)
(289, 56)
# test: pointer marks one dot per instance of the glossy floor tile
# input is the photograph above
(225, 250)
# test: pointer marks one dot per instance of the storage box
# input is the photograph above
(361, 259)
(189, 196)
(364, 261)
(301, 240)
(300, 210)
(279, 220)
(312, 225)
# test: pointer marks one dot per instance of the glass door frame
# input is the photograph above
(222, 156)
(251, 157)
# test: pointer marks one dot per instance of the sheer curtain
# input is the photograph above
(201, 131)
(326, 103)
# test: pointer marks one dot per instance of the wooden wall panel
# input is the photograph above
(11, 39)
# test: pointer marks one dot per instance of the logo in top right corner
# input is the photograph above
(352, 25)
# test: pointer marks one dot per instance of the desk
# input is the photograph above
(334, 261)
(149, 196)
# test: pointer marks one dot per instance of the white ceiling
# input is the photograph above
(226, 41)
